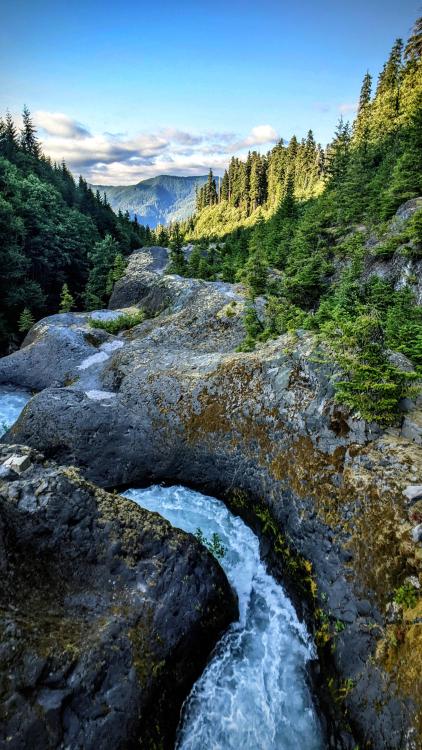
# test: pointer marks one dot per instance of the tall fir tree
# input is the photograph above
(28, 140)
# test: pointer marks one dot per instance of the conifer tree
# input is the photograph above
(413, 49)
(177, 256)
(211, 192)
(102, 260)
(225, 192)
(256, 268)
(28, 140)
(386, 106)
(9, 143)
(338, 153)
(195, 261)
(362, 123)
(116, 272)
(26, 320)
(67, 303)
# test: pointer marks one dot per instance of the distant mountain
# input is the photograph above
(158, 200)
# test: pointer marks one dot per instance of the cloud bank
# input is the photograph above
(116, 159)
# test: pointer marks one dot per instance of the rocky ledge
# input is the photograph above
(339, 499)
(107, 613)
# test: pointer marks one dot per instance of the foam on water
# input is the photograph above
(12, 401)
(253, 695)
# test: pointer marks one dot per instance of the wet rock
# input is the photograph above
(413, 492)
(107, 614)
(417, 533)
(262, 430)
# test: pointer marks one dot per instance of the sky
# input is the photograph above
(126, 91)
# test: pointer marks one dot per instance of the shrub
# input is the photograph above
(405, 596)
(122, 323)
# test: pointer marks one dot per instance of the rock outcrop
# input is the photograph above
(174, 401)
(107, 613)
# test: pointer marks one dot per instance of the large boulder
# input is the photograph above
(400, 268)
(107, 613)
(177, 402)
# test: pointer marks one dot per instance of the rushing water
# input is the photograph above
(12, 401)
(253, 695)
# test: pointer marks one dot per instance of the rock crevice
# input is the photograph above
(262, 426)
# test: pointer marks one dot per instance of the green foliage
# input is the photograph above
(177, 257)
(214, 545)
(293, 227)
(123, 322)
(256, 274)
(67, 303)
(253, 328)
(26, 320)
(49, 226)
(281, 316)
(405, 596)
(116, 272)
(102, 258)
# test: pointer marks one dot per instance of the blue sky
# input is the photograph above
(126, 91)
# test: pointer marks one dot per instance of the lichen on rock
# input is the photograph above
(263, 426)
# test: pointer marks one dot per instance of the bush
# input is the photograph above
(122, 323)
(405, 596)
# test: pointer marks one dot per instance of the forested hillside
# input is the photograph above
(301, 224)
(159, 200)
(61, 244)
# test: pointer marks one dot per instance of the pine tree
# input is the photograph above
(362, 123)
(225, 192)
(177, 256)
(28, 141)
(211, 190)
(102, 260)
(67, 303)
(195, 261)
(26, 320)
(338, 153)
(9, 141)
(413, 49)
(386, 105)
(116, 272)
(390, 75)
(256, 268)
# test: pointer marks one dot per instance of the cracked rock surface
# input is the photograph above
(107, 613)
(253, 428)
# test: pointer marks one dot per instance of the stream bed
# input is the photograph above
(254, 693)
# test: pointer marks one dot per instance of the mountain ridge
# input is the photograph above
(156, 200)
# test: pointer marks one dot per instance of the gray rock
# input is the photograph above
(100, 641)
(417, 533)
(412, 429)
(253, 428)
(393, 612)
(413, 492)
(16, 463)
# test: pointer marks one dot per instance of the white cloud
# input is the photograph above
(59, 124)
(261, 134)
(115, 158)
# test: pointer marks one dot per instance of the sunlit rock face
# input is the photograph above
(183, 405)
(107, 613)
